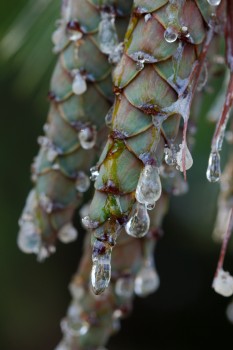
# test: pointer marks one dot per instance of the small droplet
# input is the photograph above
(213, 172)
(67, 233)
(101, 273)
(107, 33)
(29, 239)
(94, 173)
(74, 327)
(149, 187)
(87, 137)
(46, 203)
(184, 157)
(214, 2)
(147, 17)
(88, 223)
(146, 281)
(170, 35)
(77, 291)
(82, 182)
(170, 156)
(79, 85)
(223, 283)
(139, 222)
(116, 54)
(51, 154)
(124, 287)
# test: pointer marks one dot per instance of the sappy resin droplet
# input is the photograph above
(139, 222)
(79, 85)
(147, 281)
(184, 158)
(94, 173)
(87, 137)
(29, 240)
(213, 172)
(124, 287)
(149, 187)
(67, 233)
(223, 283)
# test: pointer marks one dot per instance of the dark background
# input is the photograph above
(185, 313)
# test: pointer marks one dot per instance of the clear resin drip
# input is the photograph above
(214, 2)
(149, 187)
(87, 137)
(170, 34)
(139, 222)
(29, 240)
(124, 287)
(213, 172)
(147, 281)
(107, 35)
(101, 272)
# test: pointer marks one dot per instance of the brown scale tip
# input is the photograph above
(74, 25)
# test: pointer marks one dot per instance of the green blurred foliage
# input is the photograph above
(185, 311)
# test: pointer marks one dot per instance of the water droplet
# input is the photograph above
(88, 223)
(74, 327)
(82, 182)
(213, 172)
(139, 222)
(46, 203)
(146, 281)
(107, 35)
(87, 137)
(184, 157)
(223, 283)
(94, 173)
(147, 17)
(185, 31)
(29, 239)
(124, 287)
(67, 233)
(214, 2)
(45, 252)
(79, 85)
(170, 35)
(101, 272)
(149, 187)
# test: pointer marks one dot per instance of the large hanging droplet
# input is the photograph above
(213, 172)
(149, 187)
(82, 182)
(87, 137)
(101, 273)
(107, 33)
(223, 283)
(184, 158)
(214, 2)
(139, 222)
(67, 233)
(79, 85)
(170, 35)
(147, 281)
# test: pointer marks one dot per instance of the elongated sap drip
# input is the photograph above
(107, 33)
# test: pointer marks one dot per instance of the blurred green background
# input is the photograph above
(185, 313)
